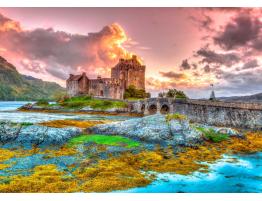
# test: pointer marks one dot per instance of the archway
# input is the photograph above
(164, 109)
(143, 108)
(152, 109)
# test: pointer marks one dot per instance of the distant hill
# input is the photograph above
(15, 86)
(252, 98)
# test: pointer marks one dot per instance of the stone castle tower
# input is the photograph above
(131, 72)
(125, 73)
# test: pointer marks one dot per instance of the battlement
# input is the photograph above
(105, 81)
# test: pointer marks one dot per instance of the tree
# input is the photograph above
(162, 95)
(181, 95)
(133, 92)
(171, 93)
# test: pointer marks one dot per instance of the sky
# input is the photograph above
(184, 48)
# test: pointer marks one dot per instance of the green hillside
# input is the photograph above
(14, 86)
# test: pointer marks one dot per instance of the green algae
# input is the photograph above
(104, 140)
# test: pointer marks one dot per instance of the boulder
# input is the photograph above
(38, 135)
(152, 128)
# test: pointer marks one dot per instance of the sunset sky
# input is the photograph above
(183, 48)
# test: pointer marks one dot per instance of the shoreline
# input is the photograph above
(59, 111)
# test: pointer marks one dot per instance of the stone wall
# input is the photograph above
(106, 87)
(239, 115)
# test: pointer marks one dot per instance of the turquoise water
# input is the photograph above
(241, 176)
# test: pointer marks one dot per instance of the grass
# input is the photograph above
(212, 135)
(175, 116)
(25, 124)
(104, 140)
(135, 99)
(83, 101)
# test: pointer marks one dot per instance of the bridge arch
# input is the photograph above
(143, 107)
(152, 109)
(164, 109)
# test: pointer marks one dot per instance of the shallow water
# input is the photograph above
(12, 105)
(8, 113)
(241, 176)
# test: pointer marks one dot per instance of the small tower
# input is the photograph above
(212, 95)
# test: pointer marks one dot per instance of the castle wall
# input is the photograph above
(106, 87)
(72, 88)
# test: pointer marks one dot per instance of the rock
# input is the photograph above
(56, 107)
(229, 131)
(151, 128)
(87, 109)
(39, 135)
(27, 106)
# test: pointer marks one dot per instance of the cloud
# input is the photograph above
(211, 57)
(185, 65)
(207, 69)
(33, 66)
(203, 22)
(172, 75)
(240, 82)
(242, 30)
(59, 49)
(250, 64)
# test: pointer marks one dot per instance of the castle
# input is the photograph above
(127, 72)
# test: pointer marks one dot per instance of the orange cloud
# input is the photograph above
(61, 53)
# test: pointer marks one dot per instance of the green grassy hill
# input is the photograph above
(14, 86)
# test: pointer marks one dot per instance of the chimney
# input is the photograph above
(71, 75)
(134, 57)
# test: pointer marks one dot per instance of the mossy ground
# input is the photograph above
(104, 140)
(120, 172)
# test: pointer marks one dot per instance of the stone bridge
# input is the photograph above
(234, 114)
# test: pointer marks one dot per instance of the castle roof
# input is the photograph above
(75, 77)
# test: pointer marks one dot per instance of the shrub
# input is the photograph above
(132, 92)
(212, 135)
(42, 102)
